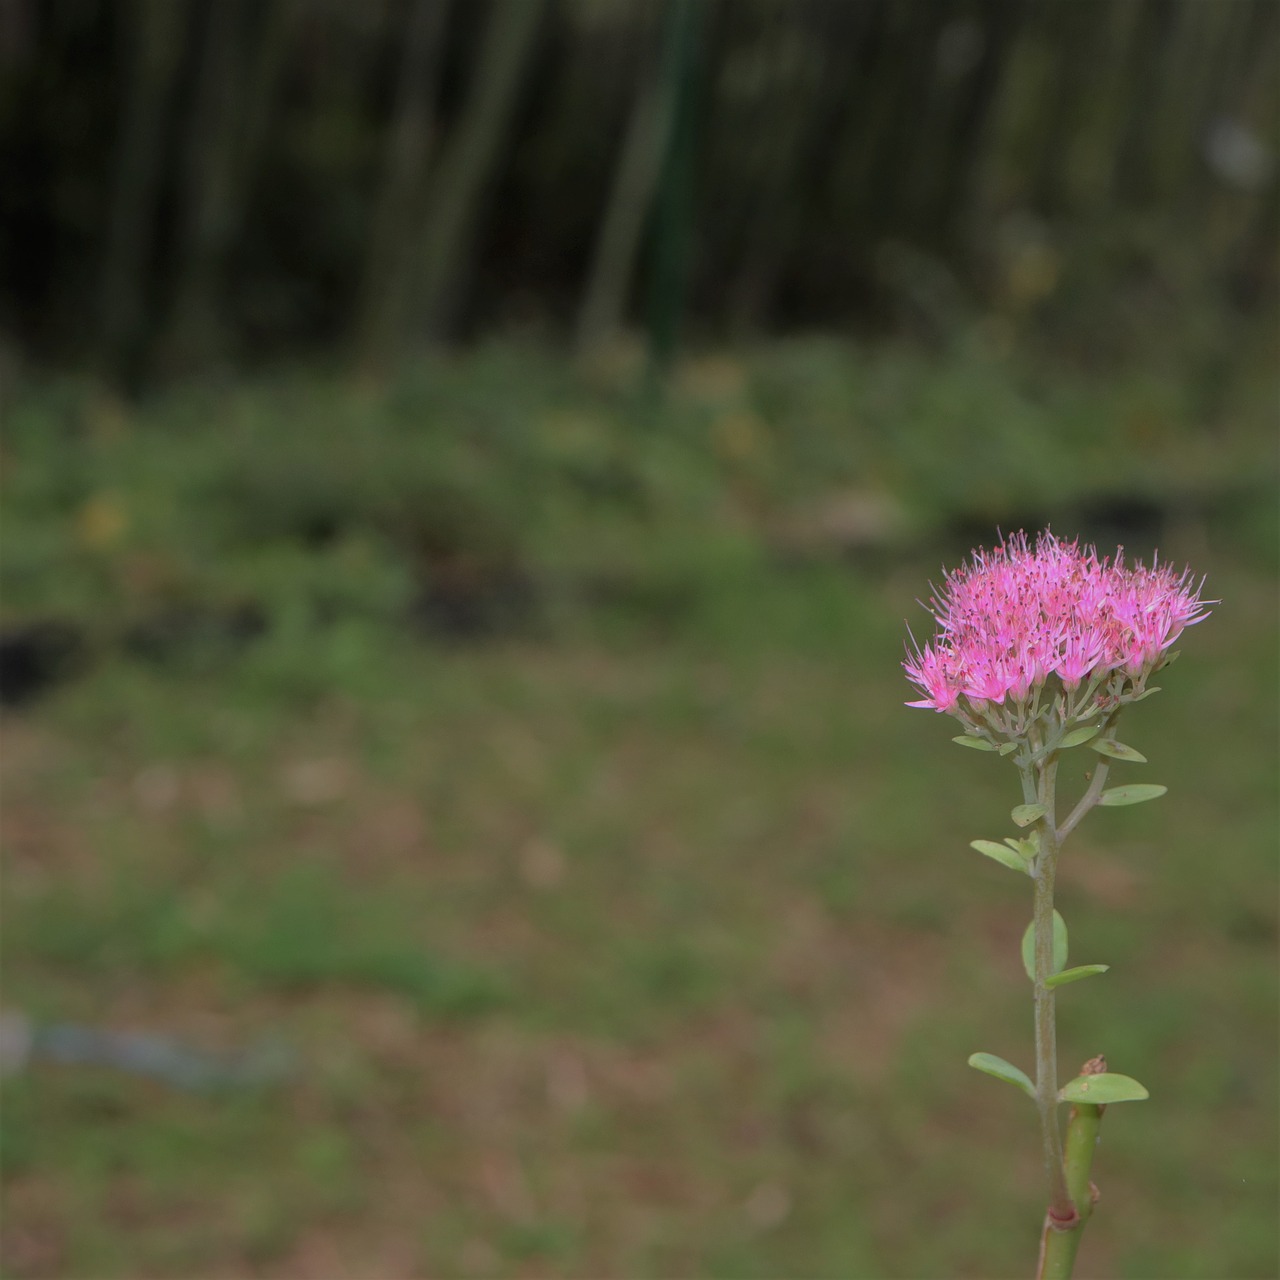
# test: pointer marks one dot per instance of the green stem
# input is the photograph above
(1061, 1207)
(1088, 800)
(1071, 1194)
(1058, 1248)
(1096, 783)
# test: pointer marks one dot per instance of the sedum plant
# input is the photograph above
(1037, 652)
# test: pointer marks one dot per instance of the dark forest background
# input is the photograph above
(192, 184)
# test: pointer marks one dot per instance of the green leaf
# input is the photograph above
(1027, 848)
(1118, 751)
(1059, 947)
(1077, 736)
(1008, 747)
(1025, 814)
(1074, 975)
(1135, 794)
(1002, 1070)
(978, 744)
(1005, 856)
(1102, 1089)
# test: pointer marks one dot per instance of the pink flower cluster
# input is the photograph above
(1014, 616)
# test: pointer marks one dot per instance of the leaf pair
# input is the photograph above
(1099, 1090)
(1095, 1089)
(1061, 975)
(1015, 854)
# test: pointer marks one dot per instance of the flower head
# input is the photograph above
(1015, 616)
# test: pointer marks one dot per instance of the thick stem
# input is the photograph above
(1061, 1209)
(1071, 1194)
(1058, 1248)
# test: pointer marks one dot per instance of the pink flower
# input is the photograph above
(1015, 616)
(928, 669)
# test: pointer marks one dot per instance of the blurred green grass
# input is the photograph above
(211, 511)
(635, 933)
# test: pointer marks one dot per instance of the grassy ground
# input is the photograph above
(633, 933)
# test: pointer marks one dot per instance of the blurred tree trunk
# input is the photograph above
(234, 97)
(1172, 163)
(392, 243)
(801, 138)
(278, 21)
(1071, 32)
(1245, 94)
(943, 203)
(209, 155)
(617, 247)
(474, 151)
(1142, 131)
(965, 153)
(156, 29)
(673, 215)
(1103, 89)
(833, 157)
(869, 180)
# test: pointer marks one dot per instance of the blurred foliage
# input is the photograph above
(456, 495)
